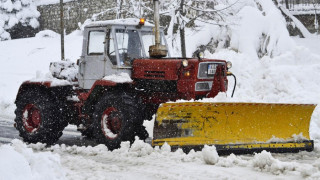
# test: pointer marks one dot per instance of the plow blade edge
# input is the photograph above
(234, 127)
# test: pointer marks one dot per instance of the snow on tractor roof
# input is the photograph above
(128, 22)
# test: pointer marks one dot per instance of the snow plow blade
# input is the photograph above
(234, 127)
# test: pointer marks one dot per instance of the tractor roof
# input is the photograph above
(128, 22)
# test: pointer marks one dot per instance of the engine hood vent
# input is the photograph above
(155, 74)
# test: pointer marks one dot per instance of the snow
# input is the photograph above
(20, 162)
(47, 34)
(286, 72)
(119, 78)
(210, 155)
(144, 162)
(64, 70)
(128, 21)
(40, 77)
(294, 138)
(264, 161)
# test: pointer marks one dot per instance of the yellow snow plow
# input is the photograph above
(234, 127)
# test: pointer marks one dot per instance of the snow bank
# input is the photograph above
(253, 27)
(20, 162)
(265, 162)
(143, 161)
(140, 148)
(47, 34)
(261, 31)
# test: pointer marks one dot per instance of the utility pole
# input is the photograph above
(62, 30)
(182, 35)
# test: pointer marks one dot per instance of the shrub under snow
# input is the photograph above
(13, 12)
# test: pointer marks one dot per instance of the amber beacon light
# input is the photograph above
(142, 20)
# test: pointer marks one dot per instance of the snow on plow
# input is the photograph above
(234, 127)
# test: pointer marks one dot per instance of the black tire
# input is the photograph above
(39, 118)
(116, 118)
(88, 132)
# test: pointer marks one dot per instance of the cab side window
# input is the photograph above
(96, 42)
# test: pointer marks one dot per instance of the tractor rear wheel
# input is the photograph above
(88, 132)
(116, 118)
(39, 117)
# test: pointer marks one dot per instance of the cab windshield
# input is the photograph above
(130, 44)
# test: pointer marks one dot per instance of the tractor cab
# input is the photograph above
(109, 47)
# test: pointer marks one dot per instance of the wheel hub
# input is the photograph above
(111, 123)
(31, 118)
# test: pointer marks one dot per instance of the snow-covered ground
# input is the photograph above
(141, 161)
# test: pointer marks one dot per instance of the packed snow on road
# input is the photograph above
(288, 72)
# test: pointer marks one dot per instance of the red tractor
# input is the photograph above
(107, 110)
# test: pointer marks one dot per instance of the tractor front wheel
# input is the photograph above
(116, 117)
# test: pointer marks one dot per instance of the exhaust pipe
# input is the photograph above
(157, 50)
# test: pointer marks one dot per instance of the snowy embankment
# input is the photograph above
(20, 162)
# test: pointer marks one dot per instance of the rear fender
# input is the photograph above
(55, 92)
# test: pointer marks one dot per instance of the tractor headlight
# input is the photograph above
(229, 65)
(185, 63)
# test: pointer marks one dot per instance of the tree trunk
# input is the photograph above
(62, 30)
(287, 4)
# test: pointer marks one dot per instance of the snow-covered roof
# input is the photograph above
(128, 22)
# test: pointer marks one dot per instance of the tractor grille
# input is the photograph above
(154, 74)
(207, 70)
(156, 85)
